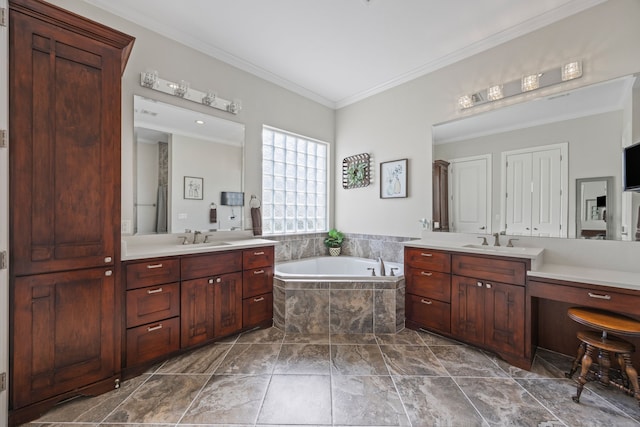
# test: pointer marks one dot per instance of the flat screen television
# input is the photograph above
(631, 164)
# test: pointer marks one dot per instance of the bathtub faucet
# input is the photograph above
(382, 271)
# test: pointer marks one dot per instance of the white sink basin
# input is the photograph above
(495, 248)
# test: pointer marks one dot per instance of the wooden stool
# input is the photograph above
(606, 322)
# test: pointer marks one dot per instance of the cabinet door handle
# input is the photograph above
(426, 301)
(258, 299)
(426, 273)
(154, 291)
(426, 254)
(152, 266)
(488, 285)
(599, 296)
(217, 280)
(258, 272)
(154, 328)
(107, 259)
(108, 273)
(479, 284)
(258, 253)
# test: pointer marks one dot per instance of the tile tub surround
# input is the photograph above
(339, 307)
(369, 246)
(405, 379)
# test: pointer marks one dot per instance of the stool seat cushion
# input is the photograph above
(611, 343)
(605, 320)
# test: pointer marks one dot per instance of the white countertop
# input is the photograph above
(534, 254)
(593, 276)
(153, 246)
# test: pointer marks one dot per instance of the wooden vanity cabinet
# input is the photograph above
(211, 297)
(257, 286)
(64, 197)
(152, 309)
(428, 289)
(488, 304)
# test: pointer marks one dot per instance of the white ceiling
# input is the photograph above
(340, 51)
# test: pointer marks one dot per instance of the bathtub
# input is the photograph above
(333, 268)
(338, 295)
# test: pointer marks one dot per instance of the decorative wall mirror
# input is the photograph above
(174, 146)
(593, 204)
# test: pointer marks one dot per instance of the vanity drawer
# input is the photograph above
(596, 297)
(152, 341)
(194, 267)
(431, 284)
(257, 257)
(428, 259)
(257, 281)
(152, 304)
(491, 269)
(429, 313)
(152, 272)
(257, 309)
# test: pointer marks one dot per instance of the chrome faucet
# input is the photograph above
(496, 242)
(382, 271)
(195, 236)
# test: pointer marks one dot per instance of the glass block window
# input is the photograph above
(294, 183)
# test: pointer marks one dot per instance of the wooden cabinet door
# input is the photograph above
(505, 319)
(196, 311)
(64, 111)
(227, 304)
(63, 332)
(467, 309)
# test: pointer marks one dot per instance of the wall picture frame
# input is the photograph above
(393, 179)
(193, 187)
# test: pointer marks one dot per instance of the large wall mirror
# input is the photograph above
(518, 170)
(188, 170)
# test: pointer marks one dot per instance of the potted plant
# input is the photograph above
(334, 241)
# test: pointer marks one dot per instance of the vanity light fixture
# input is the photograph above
(531, 82)
(182, 89)
(569, 71)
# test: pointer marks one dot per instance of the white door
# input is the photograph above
(470, 195)
(546, 204)
(534, 201)
(518, 194)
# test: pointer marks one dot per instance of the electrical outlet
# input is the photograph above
(125, 226)
(3, 381)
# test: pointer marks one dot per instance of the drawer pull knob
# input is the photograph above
(258, 299)
(488, 285)
(258, 272)
(426, 273)
(154, 291)
(108, 259)
(258, 253)
(218, 280)
(599, 296)
(152, 266)
(479, 284)
(210, 281)
(425, 254)
(424, 301)
(154, 328)
(108, 273)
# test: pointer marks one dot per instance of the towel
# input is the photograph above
(256, 221)
(213, 215)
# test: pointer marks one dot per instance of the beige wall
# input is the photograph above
(397, 124)
(263, 102)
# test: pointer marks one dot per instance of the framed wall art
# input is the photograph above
(355, 171)
(393, 179)
(193, 187)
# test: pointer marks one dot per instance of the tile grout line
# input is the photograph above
(393, 381)
(266, 390)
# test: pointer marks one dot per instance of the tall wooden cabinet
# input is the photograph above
(441, 195)
(64, 115)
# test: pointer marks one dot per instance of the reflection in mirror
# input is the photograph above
(593, 122)
(184, 161)
(592, 207)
